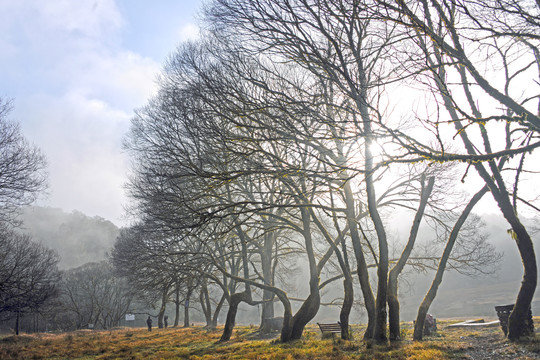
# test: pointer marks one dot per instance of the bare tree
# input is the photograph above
(22, 168)
(243, 146)
(497, 132)
(93, 294)
(28, 274)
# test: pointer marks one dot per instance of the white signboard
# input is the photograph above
(130, 317)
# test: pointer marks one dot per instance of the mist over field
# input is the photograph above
(81, 239)
(76, 237)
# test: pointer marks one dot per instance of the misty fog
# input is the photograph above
(80, 239)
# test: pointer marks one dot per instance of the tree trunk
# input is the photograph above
(236, 299)
(204, 299)
(310, 307)
(163, 307)
(177, 306)
(230, 321)
(17, 322)
(186, 307)
(361, 265)
(519, 323)
(303, 316)
(286, 330)
(348, 293)
(432, 292)
(217, 310)
(348, 300)
(392, 298)
(268, 296)
(379, 329)
(393, 308)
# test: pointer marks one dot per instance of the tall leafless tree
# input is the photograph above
(93, 294)
(29, 274)
(497, 131)
(22, 168)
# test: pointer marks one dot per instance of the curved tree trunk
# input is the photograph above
(303, 316)
(235, 300)
(519, 323)
(379, 329)
(393, 300)
(310, 307)
(348, 294)
(432, 292)
(348, 300)
(217, 310)
(286, 330)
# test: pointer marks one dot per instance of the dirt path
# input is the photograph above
(493, 345)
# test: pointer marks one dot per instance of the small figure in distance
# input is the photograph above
(166, 321)
(149, 323)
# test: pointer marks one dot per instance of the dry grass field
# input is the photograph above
(199, 343)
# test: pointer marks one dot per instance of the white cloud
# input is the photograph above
(189, 31)
(93, 18)
(77, 88)
(81, 138)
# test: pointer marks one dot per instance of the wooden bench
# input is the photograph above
(503, 312)
(333, 328)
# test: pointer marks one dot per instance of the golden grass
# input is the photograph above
(199, 343)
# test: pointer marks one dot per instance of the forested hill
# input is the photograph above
(76, 237)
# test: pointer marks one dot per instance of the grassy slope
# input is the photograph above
(198, 343)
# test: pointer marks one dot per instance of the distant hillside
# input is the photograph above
(80, 239)
(76, 237)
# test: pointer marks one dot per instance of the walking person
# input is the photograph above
(149, 323)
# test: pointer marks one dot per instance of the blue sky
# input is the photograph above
(76, 70)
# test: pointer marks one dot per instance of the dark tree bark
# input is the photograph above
(348, 300)
(230, 321)
(518, 322)
(217, 310)
(176, 305)
(268, 296)
(310, 307)
(204, 299)
(361, 264)
(187, 305)
(163, 307)
(17, 321)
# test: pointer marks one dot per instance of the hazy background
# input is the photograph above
(80, 239)
(76, 70)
